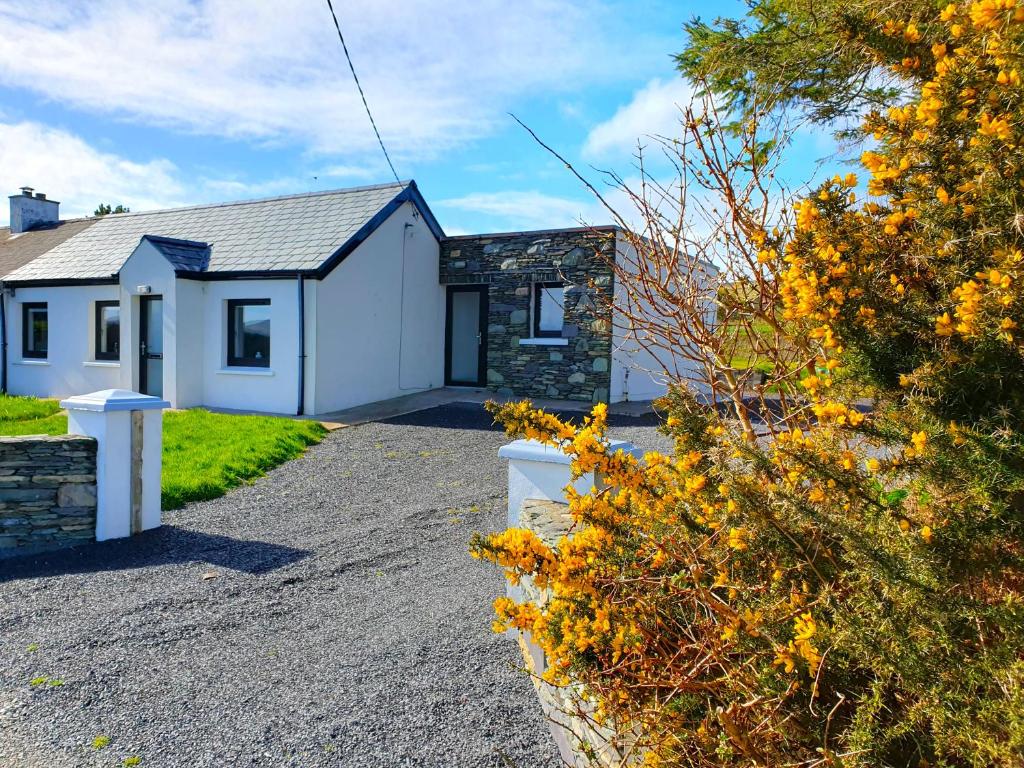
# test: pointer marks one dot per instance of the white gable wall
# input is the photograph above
(148, 267)
(637, 372)
(380, 319)
(71, 367)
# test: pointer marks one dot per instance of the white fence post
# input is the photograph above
(128, 428)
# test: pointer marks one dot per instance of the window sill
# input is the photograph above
(553, 341)
(239, 371)
(29, 361)
(101, 363)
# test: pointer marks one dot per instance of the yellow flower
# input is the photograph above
(926, 534)
(944, 325)
(873, 465)
(737, 539)
(919, 440)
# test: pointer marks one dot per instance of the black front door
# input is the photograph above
(151, 345)
(465, 347)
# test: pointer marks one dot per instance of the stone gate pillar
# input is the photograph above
(128, 428)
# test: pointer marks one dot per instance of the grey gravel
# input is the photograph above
(326, 615)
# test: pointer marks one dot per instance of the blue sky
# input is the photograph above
(171, 102)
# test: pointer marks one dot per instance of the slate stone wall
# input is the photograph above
(47, 492)
(510, 264)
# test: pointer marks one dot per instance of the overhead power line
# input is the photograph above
(355, 77)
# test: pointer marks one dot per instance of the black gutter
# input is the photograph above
(258, 274)
(62, 282)
(302, 345)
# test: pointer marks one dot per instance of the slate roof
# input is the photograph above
(18, 250)
(296, 233)
(184, 255)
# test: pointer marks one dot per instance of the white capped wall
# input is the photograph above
(380, 318)
(637, 372)
(71, 367)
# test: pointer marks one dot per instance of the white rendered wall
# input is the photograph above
(190, 309)
(195, 337)
(71, 367)
(380, 323)
(274, 389)
(637, 373)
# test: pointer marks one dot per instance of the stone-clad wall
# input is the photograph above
(510, 264)
(47, 492)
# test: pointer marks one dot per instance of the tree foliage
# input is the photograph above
(830, 573)
(103, 209)
(816, 55)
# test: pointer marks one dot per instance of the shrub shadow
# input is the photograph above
(473, 416)
(161, 546)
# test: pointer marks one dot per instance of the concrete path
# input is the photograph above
(419, 401)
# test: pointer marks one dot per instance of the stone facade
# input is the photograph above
(577, 369)
(47, 492)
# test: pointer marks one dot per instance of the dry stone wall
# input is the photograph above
(47, 492)
(581, 742)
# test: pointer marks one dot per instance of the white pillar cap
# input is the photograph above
(114, 400)
(533, 450)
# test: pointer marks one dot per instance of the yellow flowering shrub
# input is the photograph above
(844, 588)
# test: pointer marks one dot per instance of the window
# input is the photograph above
(249, 332)
(108, 330)
(34, 330)
(548, 310)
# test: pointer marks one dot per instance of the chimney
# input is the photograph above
(32, 211)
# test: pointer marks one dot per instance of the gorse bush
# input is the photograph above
(837, 580)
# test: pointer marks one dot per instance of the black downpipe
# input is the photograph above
(3, 344)
(302, 347)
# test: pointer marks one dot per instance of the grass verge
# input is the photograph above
(205, 454)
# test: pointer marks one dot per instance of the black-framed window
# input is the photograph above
(548, 309)
(108, 330)
(35, 332)
(249, 333)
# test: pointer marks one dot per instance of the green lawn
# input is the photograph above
(205, 453)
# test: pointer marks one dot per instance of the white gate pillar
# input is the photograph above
(128, 428)
(539, 471)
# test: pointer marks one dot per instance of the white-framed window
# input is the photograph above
(548, 309)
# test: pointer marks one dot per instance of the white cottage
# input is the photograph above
(302, 304)
(314, 303)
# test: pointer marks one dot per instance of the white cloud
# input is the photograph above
(80, 176)
(655, 110)
(436, 74)
(523, 209)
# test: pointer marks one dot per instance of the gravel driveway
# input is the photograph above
(328, 614)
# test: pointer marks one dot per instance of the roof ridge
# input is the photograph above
(231, 203)
(176, 241)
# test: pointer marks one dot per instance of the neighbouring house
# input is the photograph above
(308, 304)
